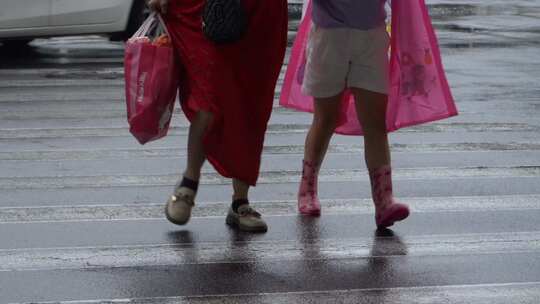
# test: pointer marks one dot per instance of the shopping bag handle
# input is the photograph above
(149, 23)
(163, 25)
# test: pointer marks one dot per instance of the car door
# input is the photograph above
(24, 14)
(88, 12)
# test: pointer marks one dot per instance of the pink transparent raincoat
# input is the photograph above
(419, 91)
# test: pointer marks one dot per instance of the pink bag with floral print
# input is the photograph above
(419, 91)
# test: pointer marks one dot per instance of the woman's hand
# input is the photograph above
(159, 6)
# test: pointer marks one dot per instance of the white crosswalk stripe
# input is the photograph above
(256, 252)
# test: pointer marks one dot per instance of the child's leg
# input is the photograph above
(325, 75)
(321, 131)
(371, 110)
(322, 128)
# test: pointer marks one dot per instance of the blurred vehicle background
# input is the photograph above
(23, 20)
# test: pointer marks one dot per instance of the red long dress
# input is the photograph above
(236, 82)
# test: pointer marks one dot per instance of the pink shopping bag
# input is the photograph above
(419, 91)
(151, 79)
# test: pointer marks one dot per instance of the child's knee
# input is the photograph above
(325, 121)
(374, 128)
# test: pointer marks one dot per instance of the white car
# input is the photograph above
(23, 20)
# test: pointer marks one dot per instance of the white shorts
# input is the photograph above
(343, 58)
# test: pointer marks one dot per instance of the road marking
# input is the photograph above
(257, 251)
(20, 133)
(120, 212)
(267, 177)
(119, 153)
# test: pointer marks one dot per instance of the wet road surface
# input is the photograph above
(81, 202)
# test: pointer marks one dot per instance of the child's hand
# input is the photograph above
(159, 6)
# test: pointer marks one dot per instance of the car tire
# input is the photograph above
(139, 12)
(15, 44)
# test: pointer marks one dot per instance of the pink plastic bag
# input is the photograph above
(419, 91)
(151, 77)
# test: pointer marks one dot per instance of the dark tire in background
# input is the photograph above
(139, 12)
(16, 43)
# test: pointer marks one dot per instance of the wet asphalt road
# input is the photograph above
(81, 202)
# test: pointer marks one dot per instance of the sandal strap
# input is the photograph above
(248, 211)
(183, 197)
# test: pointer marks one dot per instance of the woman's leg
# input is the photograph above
(179, 205)
(241, 214)
(371, 109)
(322, 128)
(241, 190)
(196, 154)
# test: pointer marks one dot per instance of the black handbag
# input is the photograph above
(224, 21)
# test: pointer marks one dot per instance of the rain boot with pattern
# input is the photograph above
(308, 202)
(387, 209)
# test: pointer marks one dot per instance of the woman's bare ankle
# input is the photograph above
(196, 176)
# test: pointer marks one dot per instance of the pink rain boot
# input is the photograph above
(308, 202)
(387, 210)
